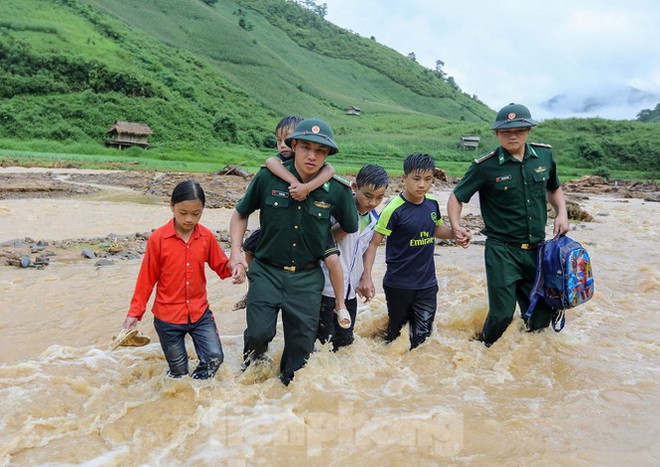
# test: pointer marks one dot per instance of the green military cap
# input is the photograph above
(315, 130)
(513, 116)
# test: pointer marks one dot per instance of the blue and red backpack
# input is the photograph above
(563, 278)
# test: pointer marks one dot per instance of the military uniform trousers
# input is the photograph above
(298, 295)
(510, 273)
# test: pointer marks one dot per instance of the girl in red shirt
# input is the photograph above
(174, 260)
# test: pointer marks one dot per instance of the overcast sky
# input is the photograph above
(589, 55)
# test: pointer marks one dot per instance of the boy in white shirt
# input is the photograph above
(368, 191)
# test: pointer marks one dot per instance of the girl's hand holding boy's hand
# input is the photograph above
(299, 191)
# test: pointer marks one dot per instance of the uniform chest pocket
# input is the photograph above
(539, 182)
(505, 186)
(540, 177)
(277, 201)
(319, 213)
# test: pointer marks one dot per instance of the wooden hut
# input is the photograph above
(470, 142)
(352, 110)
(125, 134)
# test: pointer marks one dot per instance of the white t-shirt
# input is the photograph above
(351, 249)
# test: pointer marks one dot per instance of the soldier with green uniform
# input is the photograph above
(514, 181)
(285, 273)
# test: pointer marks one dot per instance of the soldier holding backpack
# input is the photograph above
(513, 181)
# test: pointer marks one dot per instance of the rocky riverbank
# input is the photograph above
(223, 189)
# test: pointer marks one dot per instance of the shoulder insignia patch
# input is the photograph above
(541, 145)
(485, 157)
(342, 180)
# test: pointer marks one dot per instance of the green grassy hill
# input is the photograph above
(283, 72)
(212, 81)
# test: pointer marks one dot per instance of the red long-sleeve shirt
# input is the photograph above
(178, 268)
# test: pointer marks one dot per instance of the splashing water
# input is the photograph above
(589, 395)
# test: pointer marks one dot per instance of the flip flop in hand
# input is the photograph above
(129, 338)
(343, 318)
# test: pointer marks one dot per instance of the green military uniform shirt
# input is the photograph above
(512, 194)
(295, 233)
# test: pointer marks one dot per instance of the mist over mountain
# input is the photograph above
(623, 103)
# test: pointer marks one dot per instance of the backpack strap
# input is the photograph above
(558, 320)
(537, 288)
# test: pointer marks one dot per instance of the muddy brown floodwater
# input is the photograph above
(589, 395)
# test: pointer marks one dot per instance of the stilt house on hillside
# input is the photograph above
(470, 142)
(125, 134)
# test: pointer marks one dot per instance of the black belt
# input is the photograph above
(304, 267)
(522, 246)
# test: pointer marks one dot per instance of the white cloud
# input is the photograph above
(524, 51)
